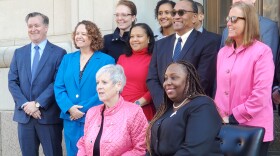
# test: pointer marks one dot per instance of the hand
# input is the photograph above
(29, 108)
(37, 114)
(226, 119)
(75, 113)
(276, 97)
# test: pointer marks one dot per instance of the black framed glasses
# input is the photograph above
(180, 12)
(234, 19)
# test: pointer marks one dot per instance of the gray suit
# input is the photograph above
(48, 129)
(268, 32)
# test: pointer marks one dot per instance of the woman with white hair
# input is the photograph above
(116, 127)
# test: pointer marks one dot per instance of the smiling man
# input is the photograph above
(186, 44)
(31, 76)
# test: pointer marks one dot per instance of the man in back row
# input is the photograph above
(186, 44)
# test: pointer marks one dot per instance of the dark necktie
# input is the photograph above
(177, 49)
(35, 61)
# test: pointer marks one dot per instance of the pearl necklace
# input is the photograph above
(183, 102)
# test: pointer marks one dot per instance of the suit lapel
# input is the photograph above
(45, 56)
(89, 68)
(169, 49)
(76, 68)
(27, 56)
(189, 43)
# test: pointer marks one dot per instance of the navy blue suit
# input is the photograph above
(200, 50)
(49, 127)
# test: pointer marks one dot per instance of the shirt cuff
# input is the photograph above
(274, 88)
(22, 106)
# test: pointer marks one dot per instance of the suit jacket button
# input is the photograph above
(77, 95)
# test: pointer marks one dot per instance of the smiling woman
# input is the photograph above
(136, 63)
(187, 123)
(245, 72)
(125, 17)
(75, 77)
(163, 15)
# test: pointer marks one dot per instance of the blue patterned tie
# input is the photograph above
(177, 49)
(35, 61)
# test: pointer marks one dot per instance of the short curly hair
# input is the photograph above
(93, 33)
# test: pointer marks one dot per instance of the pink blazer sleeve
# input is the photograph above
(137, 128)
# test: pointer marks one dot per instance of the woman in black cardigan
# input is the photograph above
(187, 123)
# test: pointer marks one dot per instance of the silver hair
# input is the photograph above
(116, 74)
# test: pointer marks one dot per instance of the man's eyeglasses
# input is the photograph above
(122, 15)
(234, 19)
(179, 12)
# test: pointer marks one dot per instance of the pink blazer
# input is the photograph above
(123, 133)
(244, 83)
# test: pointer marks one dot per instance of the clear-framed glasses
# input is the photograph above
(166, 12)
(123, 15)
(234, 19)
(180, 12)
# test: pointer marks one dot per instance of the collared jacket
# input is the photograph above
(244, 81)
(115, 45)
(189, 131)
(124, 130)
(70, 90)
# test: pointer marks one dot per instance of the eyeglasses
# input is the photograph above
(180, 12)
(234, 19)
(122, 15)
(160, 13)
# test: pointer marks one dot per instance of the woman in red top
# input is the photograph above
(136, 64)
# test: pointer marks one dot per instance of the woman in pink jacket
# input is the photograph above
(116, 127)
(245, 74)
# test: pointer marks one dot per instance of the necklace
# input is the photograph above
(183, 102)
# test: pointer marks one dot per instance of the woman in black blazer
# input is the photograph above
(188, 122)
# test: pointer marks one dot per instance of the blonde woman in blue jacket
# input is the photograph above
(75, 81)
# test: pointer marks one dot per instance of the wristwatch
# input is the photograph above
(37, 104)
(137, 102)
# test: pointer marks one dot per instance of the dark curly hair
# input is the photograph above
(93, 33)
(161, 2)
(194, 90)
(149, 33)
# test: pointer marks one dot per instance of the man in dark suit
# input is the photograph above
(210, 36)
(31, 78)
(268, 31)
(196, 48)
